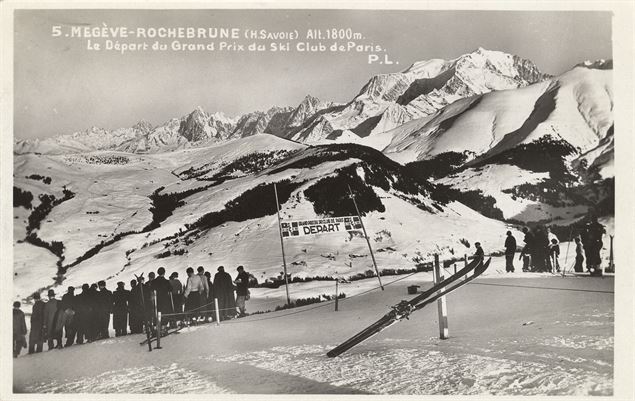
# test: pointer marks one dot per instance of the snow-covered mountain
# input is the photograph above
(121, 213)
(389, 100)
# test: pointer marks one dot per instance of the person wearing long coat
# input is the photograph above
(19, 329)
(104, 308)
(120, 310)
(224, 291)
(37, 334)
(135, 308)
(163, 288)
(69, 308)
(83, 314)
(53, 335)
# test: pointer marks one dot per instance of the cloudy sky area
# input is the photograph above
(60, 87)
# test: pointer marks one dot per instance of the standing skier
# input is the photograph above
(510, 251)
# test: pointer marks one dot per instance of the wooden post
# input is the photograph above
(454, 268)
(366, 236)
(158, 317)
(441, 302)
(336, 293)
(217, 313)
(284, 260)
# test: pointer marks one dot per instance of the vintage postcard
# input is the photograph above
(317, 199)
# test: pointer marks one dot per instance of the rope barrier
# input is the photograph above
(544, 288)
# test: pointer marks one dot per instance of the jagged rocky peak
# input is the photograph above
(195, 127)
(308, 107)
(143, 126)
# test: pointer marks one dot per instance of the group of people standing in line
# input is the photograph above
(86, 317)
(541, 251)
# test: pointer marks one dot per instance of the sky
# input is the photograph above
(60, 86)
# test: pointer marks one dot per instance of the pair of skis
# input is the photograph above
(404, 308)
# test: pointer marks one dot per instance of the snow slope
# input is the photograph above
(108, 230)
(528, 347)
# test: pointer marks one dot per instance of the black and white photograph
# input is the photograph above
(272, 199)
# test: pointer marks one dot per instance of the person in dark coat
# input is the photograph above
(224, 292)
(104, 308)
(135, 308)
(37, 334)
(51, 308)
(510, 252)
(579, 256)
(479, 254)
(592, 242)
(162, 288)
(120, 310)
(527, 251)
(19, 330)
(540, 256)
(94, 316)
(69, 308)
(82, 314)
(242, 289)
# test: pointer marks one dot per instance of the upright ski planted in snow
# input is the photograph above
(404, 308)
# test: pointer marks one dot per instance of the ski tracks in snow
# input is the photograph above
(423, 367)
(150, 379)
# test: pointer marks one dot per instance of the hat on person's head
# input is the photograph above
(189, 270)
(133, 282)
(161, 271)
(71, 288)
(509, 233)
(36, 295)
(239, 268)
(101, 283)
(221, 268)
(477, 244)
(51, 293)
(85, 287)
(16, 304)
(120, 284)
(173, 275)
(200, 269)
